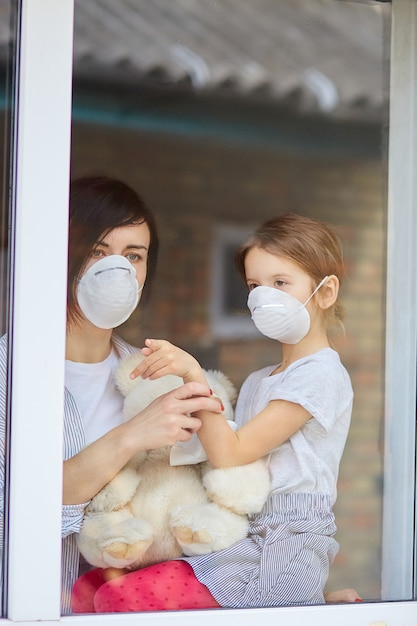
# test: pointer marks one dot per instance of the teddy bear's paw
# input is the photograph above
(121, 554)
(242, 489)
(128, 543)
(206, 528)
(186, 535)
(102, 533)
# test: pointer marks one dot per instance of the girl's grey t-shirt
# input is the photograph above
(308, 462)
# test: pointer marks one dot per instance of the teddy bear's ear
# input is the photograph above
(221, 383)
(224, 389)
(123, 382)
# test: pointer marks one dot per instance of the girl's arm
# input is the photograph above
(264, 432)
(271, 427)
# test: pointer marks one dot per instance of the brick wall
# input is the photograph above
(193, 185)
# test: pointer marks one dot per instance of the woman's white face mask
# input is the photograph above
(278, 315)
(108, 291)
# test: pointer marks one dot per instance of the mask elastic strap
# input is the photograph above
(321, 283)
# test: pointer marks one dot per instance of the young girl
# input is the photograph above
(295, 413)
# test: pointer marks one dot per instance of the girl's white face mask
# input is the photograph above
(108, 291)
(278, 315)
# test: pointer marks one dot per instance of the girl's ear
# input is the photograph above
(327, 294)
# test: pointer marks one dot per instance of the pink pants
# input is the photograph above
(171, 585)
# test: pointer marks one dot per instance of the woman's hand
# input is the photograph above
(168, 419)
(164, 422)
(163, 358)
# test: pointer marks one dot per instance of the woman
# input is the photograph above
(113, 246)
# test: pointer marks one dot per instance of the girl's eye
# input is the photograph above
(280, 283)
(252, 286)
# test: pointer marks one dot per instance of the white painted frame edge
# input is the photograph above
(28, 583)
(401, 311)
(39, 307)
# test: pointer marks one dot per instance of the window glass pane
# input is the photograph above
(223, 115)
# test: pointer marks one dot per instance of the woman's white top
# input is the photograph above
(98, 401)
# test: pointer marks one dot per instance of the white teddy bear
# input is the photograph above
(157, 508)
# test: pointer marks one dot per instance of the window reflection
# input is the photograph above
(6, 79)
(7, 69)
(225, 114)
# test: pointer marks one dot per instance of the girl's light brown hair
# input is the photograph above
(312, 244)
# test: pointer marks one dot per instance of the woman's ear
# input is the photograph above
(327, 294)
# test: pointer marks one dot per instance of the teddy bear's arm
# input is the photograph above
(242, 489)
(119, 491)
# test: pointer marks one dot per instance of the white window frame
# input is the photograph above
(399, 545)
(42, 177)
(41, 174)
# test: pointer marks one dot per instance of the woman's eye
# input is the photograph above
(96, 253)
(133, 257)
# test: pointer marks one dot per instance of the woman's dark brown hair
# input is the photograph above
(97, 205)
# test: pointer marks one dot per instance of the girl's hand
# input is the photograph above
(163, 358)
